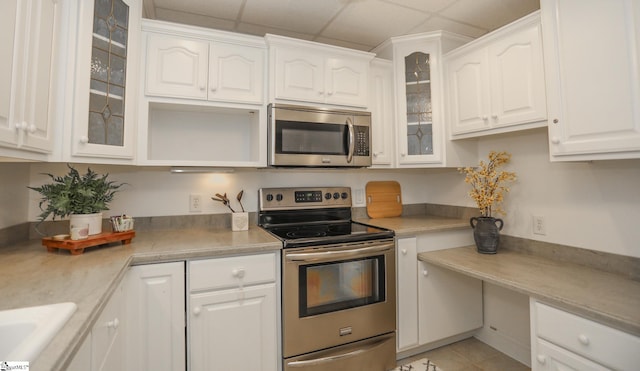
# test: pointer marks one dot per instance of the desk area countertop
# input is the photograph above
(605, 297)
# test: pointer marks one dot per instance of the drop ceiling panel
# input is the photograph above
(437, 23)
(489, 14)
(223, 9)
(370, 22)
(305, 16)
(430, 6)
(194, 19)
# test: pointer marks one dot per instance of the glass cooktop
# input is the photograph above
(300, 235)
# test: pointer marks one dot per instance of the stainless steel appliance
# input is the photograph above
(317, 137)
(338, 281)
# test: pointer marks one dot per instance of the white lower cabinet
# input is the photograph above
(108, 334)
(156, 317)
(434, 304)
(232, 313)
(82, 359)
(565, 341)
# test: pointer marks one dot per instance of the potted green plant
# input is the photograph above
(83, 197)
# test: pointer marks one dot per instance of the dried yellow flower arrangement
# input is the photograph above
(488, 182)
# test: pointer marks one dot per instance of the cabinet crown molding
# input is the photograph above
(208, 34)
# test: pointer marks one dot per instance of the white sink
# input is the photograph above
(24, 332)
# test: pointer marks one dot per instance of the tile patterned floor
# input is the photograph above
(469, 355)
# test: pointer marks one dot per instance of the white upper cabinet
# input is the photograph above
(309, 72)
(496, 83)
(381, 106)
(184, 67)
(421, 139)
(202, 101)
(27, 34)
(99, 90)
(592, 61)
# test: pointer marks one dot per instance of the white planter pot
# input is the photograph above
(93, 221)
(239, 222)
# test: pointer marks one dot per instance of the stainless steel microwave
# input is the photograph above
(317, 137)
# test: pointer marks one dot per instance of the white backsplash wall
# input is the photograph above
(153, 191)
(14, 177)
(591, 205)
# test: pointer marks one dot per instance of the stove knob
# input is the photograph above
(344, 195)
(336, 196)
(327, 196)
(279, 197)
(269, 197)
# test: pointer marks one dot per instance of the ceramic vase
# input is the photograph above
(486, 233)
(93, 221)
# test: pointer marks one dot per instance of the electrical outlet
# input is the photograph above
(359, 197)
(539, 226)
(195, 203)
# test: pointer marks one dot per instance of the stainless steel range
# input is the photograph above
(338, 281)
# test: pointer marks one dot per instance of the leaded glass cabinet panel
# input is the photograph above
(419, 108)
(108, 73)
(106, 79)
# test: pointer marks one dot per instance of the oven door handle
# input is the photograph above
(340, 254)
(318, 361)
(352, 139)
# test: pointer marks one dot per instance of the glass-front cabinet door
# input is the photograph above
(106, 81)
(418, 102)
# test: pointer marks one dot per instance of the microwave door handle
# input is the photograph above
(352, 142)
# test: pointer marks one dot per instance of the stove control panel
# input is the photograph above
(303, 198)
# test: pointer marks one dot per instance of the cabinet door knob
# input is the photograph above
(238, 272)
(196, 310)
(583, 339)
(425, 272)
(484, 118)
(84, 140)
(375, 154)
(404, 251)
(555, 121)
(403, 154)
(113, 324)
(202, 87)
(541, 359)
(555, 140)
(494, 116)
(32, 129)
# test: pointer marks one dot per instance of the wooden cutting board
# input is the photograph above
(384, 199)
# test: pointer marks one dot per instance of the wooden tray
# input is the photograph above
(76, 247)
(384, 199)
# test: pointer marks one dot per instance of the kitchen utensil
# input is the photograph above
(384, 199)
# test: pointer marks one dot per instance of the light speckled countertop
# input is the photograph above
(32, 276)
(408, 225)
(604, 297)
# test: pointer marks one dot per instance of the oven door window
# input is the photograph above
(330, 287)
(293, 137)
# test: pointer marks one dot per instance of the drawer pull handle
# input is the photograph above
(583, 339)
(541, 359)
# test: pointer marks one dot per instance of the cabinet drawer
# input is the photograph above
(212, 274)
(592, 340)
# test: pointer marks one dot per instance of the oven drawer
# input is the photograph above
(375, 354)
(219, 273)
